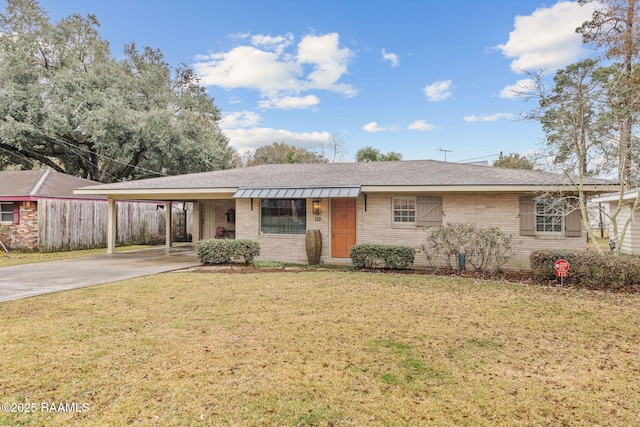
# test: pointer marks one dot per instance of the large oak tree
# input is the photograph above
(66, 103)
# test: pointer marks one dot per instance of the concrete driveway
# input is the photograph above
(27, 280)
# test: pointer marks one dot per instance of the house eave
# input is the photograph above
(38, 198)
(179, 194)
(175, 194)
(615, 197)
(593, 189)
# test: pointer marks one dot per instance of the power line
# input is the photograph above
(104, 157)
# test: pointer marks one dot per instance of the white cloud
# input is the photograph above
(329, 62)
(421, 125)
(516, 90)
(238, 119)
(239, 36)
(546, 39)
(248, 67)
(372, 127)
(252, 138)
(290, 102)
(438, 91)
(277, 44)
(491, 118)
(392, 58)
(273, 67)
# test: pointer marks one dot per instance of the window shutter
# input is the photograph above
(429, 211)
(573, 223)
(527, 216)
(16, 213)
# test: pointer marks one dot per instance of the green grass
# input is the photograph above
(19, 258)
(322, 349)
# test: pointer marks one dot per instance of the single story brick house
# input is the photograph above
(40, 211)
(22, 192)
(368, 202)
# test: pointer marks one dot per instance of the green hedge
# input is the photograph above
(222, 251)
(589, 269)
(368, 255)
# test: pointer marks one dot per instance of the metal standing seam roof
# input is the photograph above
(296, 192)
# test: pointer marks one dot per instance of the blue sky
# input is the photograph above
(412, 76)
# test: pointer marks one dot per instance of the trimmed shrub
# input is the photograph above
(222, 251)
(486, 248)
(589, 269)
(543, 263)
(369, 255)
(447, 241)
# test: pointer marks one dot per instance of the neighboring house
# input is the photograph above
(39, 210)
(631, 241)
(373, 202)
(22, 193)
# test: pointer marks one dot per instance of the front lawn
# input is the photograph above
(320, 348)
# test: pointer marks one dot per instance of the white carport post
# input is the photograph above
(168, 210)
(111, 226)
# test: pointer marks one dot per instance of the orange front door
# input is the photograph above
(343, 227)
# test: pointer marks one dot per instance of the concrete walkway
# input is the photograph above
(27, 280)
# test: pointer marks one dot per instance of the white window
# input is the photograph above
(6, 212)
(549, 215)
(404, 210)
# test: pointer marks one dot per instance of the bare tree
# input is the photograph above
(580, 116)
(334, 151)
(614, 28)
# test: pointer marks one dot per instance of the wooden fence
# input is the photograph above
(80, 224)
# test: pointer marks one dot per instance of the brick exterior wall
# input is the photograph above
(376, 226)
(488, 210)
(281, 247)
(22, 236)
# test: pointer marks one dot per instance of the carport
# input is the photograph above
(160, 193)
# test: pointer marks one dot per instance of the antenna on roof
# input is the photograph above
(442, 150)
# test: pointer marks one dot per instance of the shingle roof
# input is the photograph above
(398, 173)
(40, 183)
